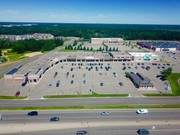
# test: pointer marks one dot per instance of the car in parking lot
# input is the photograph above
(101, 84)
(54, 119)
(17, 93)
(32, 113)
(82, 132)
(142, 111)
(105, 113)
(57, 84)
(120, 83)
(84, 81)
(143, 132)
(0, 117)
(72, 81)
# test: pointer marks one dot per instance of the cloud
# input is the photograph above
(9, 11)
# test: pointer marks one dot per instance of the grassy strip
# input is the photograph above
(12, 97)
(83, 96)
(1, 76)
(156, 94)
(173, 79)
(66, 50)
(91, 107)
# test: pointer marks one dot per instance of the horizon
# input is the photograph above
(81, 23)
(92, 12)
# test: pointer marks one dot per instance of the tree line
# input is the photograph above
(87, 31)
(31, 45)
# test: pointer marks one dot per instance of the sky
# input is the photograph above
(91, 11)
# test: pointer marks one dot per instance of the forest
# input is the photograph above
(31, 45)
(87, 31)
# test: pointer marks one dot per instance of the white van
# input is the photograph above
(0, 117)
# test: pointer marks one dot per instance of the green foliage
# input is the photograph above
(75, 43)
(0, 52)
(31, 45)
(166, 72)
(173, 78)
(59, 42)
(87, 31)
(127, 74)
(12, 97)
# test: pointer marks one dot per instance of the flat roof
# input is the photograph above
(162, 44)
(142, 53)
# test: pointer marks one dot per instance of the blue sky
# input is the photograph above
(91, 11)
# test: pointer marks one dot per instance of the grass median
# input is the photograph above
(12, 97)
(92, 107)
(84, 96)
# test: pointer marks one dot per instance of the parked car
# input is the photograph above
(105, 113)
(32, 113)
(72, 81)
(101, 84)
(0, 117)
(17, 94)
(84, 82)
(54, 119)
(142, 111)
(120, 83)
(57, 84)
(143, 132)
(82, 133)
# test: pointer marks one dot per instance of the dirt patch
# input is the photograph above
(33, 54)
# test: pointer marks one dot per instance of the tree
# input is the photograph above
(0, 52)
(114, 49)
(127, 74)
(75, 43)
(117, 49)
(110, 49)
(91, 49)
(166, 72)
(59, 42)
(106, 48)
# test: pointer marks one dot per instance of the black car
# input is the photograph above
(32, 113)
(82, 133)
(55, 119)
(143, 132)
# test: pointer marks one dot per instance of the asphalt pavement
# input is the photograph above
(118, 122)
(91, 102)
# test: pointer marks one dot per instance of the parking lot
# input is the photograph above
(103, 78)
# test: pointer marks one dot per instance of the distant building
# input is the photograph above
(160, 46)
(140, 81)
(144, 56)
(106, 40)
(36, 36)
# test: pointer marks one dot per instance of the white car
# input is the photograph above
(142, 111)
(105, 113)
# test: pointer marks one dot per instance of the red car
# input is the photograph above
(17, 94)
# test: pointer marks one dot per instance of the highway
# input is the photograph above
(118, 122)
(91, 101)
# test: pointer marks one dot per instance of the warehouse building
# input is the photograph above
(106, 40)
(160, 46)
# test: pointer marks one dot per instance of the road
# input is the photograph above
(7, 69)
(118, 122)
(90, 101)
